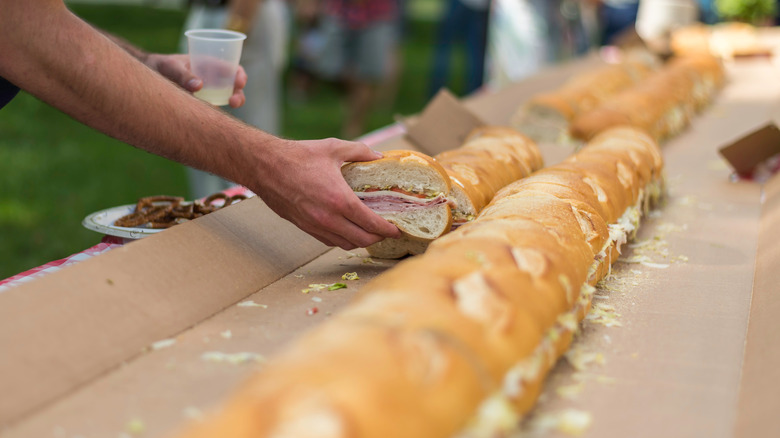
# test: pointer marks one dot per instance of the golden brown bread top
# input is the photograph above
(565, 185)
(500, 318)
(402, 157)
(516, 165)
(523, 146)
(586, 91)
(690, 40)
(463, 178)
(622, 168)
(588, 124)
(490, 158)
(557, 102)
(579, 221)
(605, 183)
(660, 104)
(479, 168)
(298, 395)
(631, 139)
(534, 249)
(723, 40)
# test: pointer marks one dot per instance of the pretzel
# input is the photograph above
(159, 212)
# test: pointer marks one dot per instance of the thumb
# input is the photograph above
(354, 151)
(180, 74)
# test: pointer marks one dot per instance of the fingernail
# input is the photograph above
(193, 84)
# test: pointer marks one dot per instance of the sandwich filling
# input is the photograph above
(397, 200)
(459, 218)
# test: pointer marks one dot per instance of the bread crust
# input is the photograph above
(429, 174)
(662, 104)
(399, 157)
(490, 158)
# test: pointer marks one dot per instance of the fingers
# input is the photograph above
(177, 71)
(370, 222)
(345, 234)
(193, 85)
(354, 151)
(238, 98)
(347, 225)
(324, 205)
(241, 79)
(331, 239)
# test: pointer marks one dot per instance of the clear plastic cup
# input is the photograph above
(214, 56)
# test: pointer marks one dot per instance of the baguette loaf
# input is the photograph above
(456, 342)
(490, 158)
(727, 40)
(407, 188)
(662, 104)
(546, 116)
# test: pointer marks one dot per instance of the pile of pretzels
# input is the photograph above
(167, 211)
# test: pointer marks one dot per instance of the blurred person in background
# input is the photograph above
(266, 24)
(466, 22)
(616, 17)
(306, 47)
(128, 94)
(359, 43)
(567, 28)
(527, 35)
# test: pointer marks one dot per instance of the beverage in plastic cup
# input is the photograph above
(214, 56)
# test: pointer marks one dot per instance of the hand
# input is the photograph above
(177, 69)
(306, 187)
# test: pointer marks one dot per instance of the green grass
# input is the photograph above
(56, 171)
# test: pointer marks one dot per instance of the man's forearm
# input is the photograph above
(134, 51)
(57, 57)
(66, 63)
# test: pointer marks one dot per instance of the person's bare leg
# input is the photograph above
(359, 103)
(387, 92)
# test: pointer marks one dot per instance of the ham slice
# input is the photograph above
(386, 201)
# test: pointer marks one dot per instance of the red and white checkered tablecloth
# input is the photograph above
(110, 242)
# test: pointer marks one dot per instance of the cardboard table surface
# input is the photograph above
(75, 361)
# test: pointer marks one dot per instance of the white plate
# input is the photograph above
(103, 222)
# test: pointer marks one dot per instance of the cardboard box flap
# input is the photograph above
(759, 397)
(61, 331)
(443, 125)
(750, 150)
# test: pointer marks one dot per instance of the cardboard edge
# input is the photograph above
(443, 124)
(759, 397)
(98, 314)
(753, 148)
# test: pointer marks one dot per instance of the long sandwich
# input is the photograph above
(546, 116)
(662, 104)
(410, 190)
(490, 158)
(457, 342)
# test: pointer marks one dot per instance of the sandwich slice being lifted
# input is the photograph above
(410, 190)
